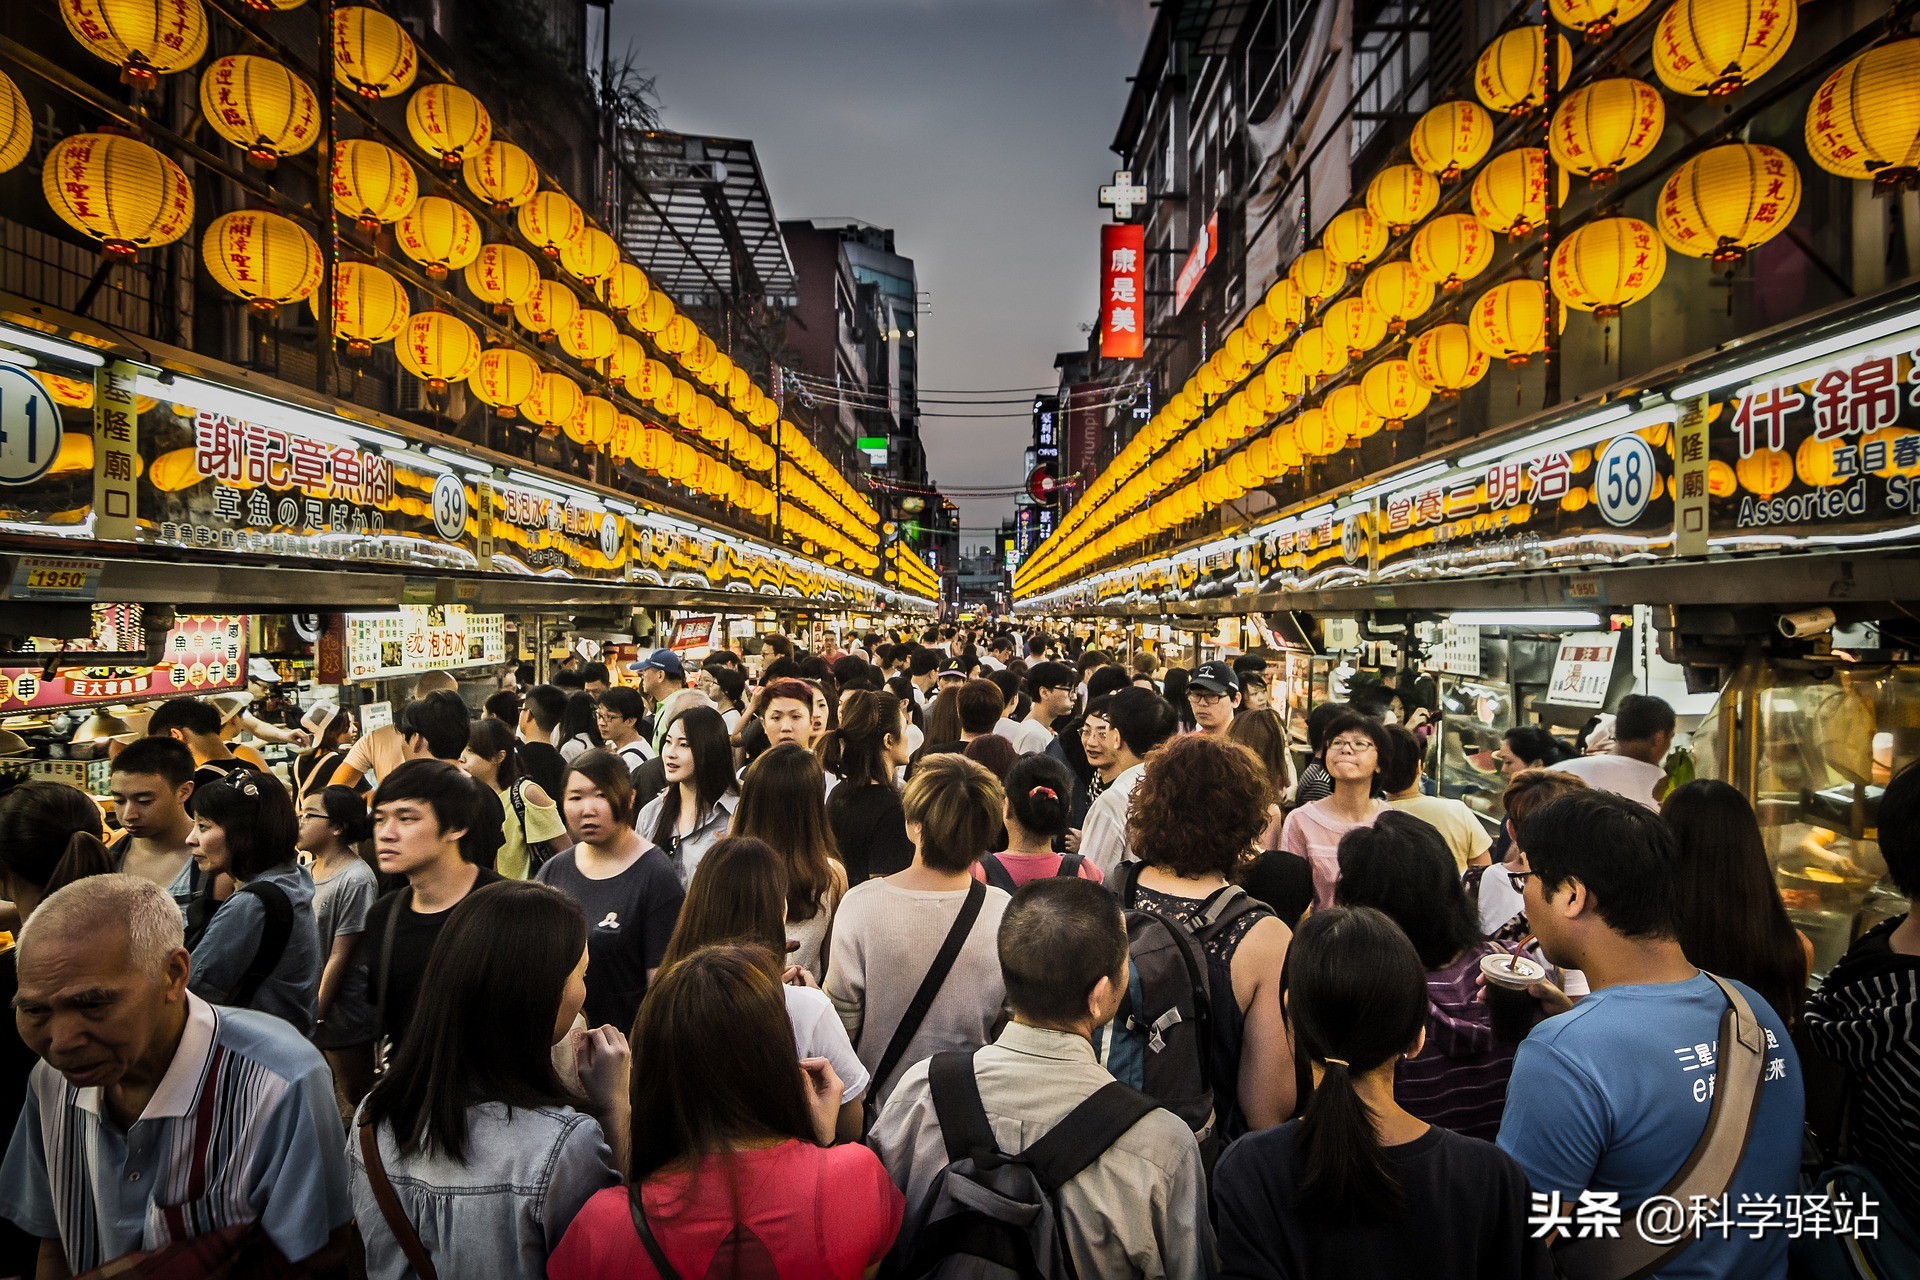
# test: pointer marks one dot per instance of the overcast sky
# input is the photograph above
(976, 129)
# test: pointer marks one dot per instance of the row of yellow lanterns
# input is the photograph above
(911, 572)
(1717, 205)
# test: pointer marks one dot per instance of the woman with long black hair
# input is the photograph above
(579, 730)
(1358, 1186)
(333, 827)
(697, 807)
(869, 825)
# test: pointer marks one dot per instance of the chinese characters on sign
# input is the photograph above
(1582, 669)
(1199, 258)
(422, 638)
(203, 655)
(1123, 291)
(116, 441)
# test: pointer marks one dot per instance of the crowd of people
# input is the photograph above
(930, 956)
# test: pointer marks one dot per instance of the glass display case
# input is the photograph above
(1476, 712)
(1813, 744)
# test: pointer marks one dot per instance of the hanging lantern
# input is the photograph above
(717, 373)
(679, 336)
(1398, 293)
(369, 307)
(1864, 121)
(16, 124)
(1354, 237)
(146, 39)
(1595, 19)
(1262, 331)
(1286, 305)
(1451, 250)
(1284, 378)
(551, 221)
(1728, 200)
(438, 348)
(1765, 472)
(440, 235)
(1511, 75)
(1349, 414)
(1356, 324)
(372, 183)
(1509, 321)
(592, 424)
(589, 256)
(1318, 436)
(261, 257)
(588, 334)
(1401, 195)
(1510, 194)
(553, 402)
(650, 382)
(1393, 393)
(1318, 355)
(1606, 126)
(372, 54)
(503, 379)
(501, 174)
(1445, 361)
(1608, 264)
(1317, 276)
(624, 360)
(259, 106)
(626, 434)
(447, 121)
(623, 287)
(503, 276)
(652, 313)
(1451, 138)
(1717, 47)
(547, 309)
(118, 190)
(699, 356)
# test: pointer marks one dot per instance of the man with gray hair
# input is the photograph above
(154, 1118)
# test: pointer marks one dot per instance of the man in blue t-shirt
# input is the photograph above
(1612, 1096)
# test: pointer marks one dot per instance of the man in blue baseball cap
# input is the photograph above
(661, 676)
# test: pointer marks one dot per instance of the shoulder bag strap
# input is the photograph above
(396, 1217)
(1070, 864)
(929, 987)
(644, 1229)
(1739, 1062)
(274, 935)
(1086, 1134)
(956, 1102)
(519, 803)
(1129, 883)
(997, 874)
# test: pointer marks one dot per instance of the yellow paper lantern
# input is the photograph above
(440, 235)
(372, 183)
(623, 287)
(1703, 47)
(718, 371)
(1864, 121)
(146, 39)
(1317, 276)
(1398, 293)
(1318, 354)
(16, 124)
(553, 402)
(1765, 472)
(503, 379)
(588, 334)
(653, 313)
(1727, 200)
(1393, 393)
(1606, 126)
(1354, 237)
(624, 360)
(1283, 377)
(259, 106)
(592, 424)
(501, 174)
(589, 256)
(1451, 138)
(1510, 194)
(1318, 436)
(1721, 481)
(549, 308)
(1608, 264)
(1450, 250)
(447, 121)
(1356, 324)
(1509, 321)
(650, 383)
(699, 356)
(626, 435)
(1814, 461)
(1596, 19)
(439, 348)
(679, 336)
(503, 276)
(261, 257)
(1261, 331)
(1350, 415)
(372, 54)
(369, 306)
(551, 221)
(1401, 195)
(1511, 73)
(1286, 305)
(1445, 360)
(175, 471)
(653, 450)
(120, 191)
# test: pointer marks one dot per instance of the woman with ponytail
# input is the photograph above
(1039, 791)
(1357, 1185)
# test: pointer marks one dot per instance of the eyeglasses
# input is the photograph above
(1204, 698)
(1519, 879)
(1350, 746)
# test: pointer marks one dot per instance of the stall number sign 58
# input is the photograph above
(29, 427)
(1623, 482)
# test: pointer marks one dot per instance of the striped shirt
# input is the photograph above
(242, 1129)
(1459, 1078)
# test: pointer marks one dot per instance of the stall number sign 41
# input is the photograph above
(29, 427)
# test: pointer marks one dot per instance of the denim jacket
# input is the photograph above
(499, 1213)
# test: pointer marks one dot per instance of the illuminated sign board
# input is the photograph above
(1199, 258)
(1123, 291)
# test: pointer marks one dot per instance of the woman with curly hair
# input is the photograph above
(1194, 815)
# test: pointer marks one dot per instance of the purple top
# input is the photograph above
(1459, 1079)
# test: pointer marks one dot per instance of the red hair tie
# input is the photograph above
(1046, 791)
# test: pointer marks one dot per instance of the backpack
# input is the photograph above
(275, 933)
(1000, 878)
(991, 1216)
(1177, 1035)
(538, 851)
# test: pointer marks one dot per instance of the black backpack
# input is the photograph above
(274, 936)
(1000, 878)
(991, 1216)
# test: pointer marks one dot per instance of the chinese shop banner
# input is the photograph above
(1123, 291)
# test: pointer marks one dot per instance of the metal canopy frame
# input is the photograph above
(702, 220)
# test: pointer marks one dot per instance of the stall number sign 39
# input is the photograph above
(450, 507)
(29, 427)
(1623, 482)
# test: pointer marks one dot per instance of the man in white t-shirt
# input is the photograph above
(1050, 690)
(1118, 734)
(1643, 729)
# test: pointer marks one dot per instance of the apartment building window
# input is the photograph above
(1390, 53)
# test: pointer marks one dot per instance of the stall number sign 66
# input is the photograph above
(29, 427)
(1624, 479)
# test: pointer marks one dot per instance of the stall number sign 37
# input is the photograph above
(1623, 481)
(29, 427)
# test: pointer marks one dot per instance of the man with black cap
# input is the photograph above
(1214, 695)
(661, 676)
(954, 672)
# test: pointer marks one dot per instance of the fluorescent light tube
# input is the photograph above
(1527, 618)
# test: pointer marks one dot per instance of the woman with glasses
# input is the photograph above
(1355, 746)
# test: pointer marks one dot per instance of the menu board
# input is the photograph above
(417, 638)
(203, 654)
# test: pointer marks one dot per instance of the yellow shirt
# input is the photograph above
(543, 823)
(1465, 834)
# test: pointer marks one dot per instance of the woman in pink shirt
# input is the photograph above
(1355, 745)
(1039, 788)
